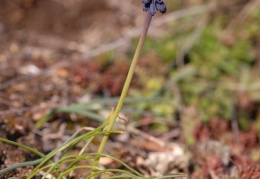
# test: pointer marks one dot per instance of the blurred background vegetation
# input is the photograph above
(201, 55)
(200, 62)
(212, 61)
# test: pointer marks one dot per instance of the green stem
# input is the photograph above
(127, 83)
(128, 79)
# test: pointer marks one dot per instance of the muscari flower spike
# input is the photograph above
(153, 5)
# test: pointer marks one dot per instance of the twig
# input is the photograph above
(25, 109)
(15, 81)
(147, 136)
(241, 17)
(234, 125)
(213, 174)
(47, 71)
(191, 41)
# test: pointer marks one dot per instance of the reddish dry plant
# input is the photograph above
(100, 79)
(211, 166)
(215, 129)
(246, 168)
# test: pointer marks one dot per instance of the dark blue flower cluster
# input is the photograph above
(153, 5)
